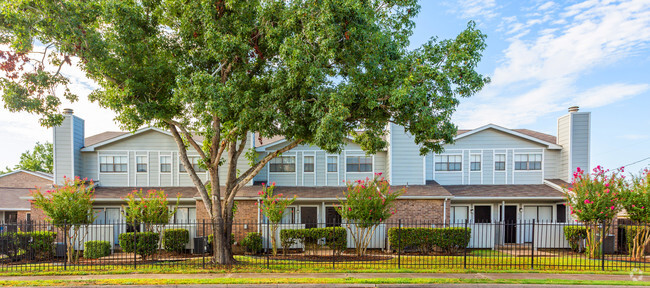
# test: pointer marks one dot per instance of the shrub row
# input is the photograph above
(96, 249)
(335, 238)
(35, 245)
(147, 243)
(174, 240)
(573, 235)
(450, 240)
(252, 242)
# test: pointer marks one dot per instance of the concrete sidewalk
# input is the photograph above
(490, 276)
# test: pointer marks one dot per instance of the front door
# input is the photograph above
(309, 216)
(332, 217)
(536, 214)
(510, 223)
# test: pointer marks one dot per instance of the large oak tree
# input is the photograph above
(313, 71)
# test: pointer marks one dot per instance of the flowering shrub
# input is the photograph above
(150, 209)
(273, 206)
(69, 206)
(367, 203)
(595, 199)
(636, 202)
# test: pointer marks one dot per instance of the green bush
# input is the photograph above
(38, 244)
(97, 249)
(574, 234)
(147, 243)
(335, 238)
(252, 242)
(174, 240)
(450, 240)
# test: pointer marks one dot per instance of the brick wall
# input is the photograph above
(420, 211)
(245, 219)
(23, 180)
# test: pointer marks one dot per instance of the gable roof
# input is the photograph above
(12, 201)
(110, 137)
(498, 192)
(44, 175)
(539, 137)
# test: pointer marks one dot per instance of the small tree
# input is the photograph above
(273, 206)
(367, 203)
(69, 206)
(595, 199)
(636, 202)
(151, 209)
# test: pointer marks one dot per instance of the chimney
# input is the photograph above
(574, 135)
(68, 141)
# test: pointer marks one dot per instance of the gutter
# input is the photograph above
(508, 198)
(343, 198)
(15, 209)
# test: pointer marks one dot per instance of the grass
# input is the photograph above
(348, 280)
(478, 261)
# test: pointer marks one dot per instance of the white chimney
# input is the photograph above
(574, 135)
(68, 141)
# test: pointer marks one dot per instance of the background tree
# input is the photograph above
(39, 159)
(595, 199)
(636, 201)
(367, 204)
(273, 206)
(69, 206)
(311, 71)
(151, 209)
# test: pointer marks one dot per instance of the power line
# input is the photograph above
(635, 162)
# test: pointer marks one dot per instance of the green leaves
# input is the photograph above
(368, 202)
(150, 208)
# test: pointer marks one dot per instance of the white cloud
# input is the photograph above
(471, 9)
(541, 71)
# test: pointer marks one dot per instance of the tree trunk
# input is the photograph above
(221, 248)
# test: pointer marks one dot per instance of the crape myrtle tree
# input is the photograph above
(311, 71)
(636, 201)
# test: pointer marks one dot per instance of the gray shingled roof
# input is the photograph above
(503, 191)
(11, 198)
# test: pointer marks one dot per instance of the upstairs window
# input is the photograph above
(195, 165)
(283, 164)
(358, 164)
(165, 164)
(332, 164)
(141, 163)
(112, 164)
(528, 162)
(449, 162)
(500, 162)
(475, 162)
(308, 165)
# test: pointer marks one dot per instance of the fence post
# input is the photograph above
(65, 245)
(268, 242)
(204, 243)
(332, 238)
(602, 246)
(399, 244)
(135, 247)
(465, 250)
(532, 247)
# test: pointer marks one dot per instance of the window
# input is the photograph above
(288, 217)
(141, 163)
(359, 164)
(475, 162)
(112, 164)
(195, 165)
(449, 162)
(561, 213)
(482, 214)
(459, 214)
(332, 164)
(165, 164)
(283, 164)
(500, 162)
(308, 166)
(528, 162)
(184, 215)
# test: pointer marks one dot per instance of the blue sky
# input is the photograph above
(542, 56)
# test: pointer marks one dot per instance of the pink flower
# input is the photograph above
(349, 208)
(273, 183)
(633, 206)
(606, 184)
(369, 197)
(612, 208)
(259, 193)
(263, 184)
(587, 201)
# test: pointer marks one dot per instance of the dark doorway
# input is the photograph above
(309, 216)
(332, 217)
(11, 219)
(482, 214)
(510, 223)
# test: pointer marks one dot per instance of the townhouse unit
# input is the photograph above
(13, 186)
(490, 174)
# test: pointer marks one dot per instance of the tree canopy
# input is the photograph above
(39, 159)
(313, 71)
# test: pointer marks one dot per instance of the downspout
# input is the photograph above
(444, 213)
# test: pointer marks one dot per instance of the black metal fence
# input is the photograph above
(430, 246)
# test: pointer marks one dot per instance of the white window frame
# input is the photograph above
(313, 156)
(295, 165)
(99, 164)
(145, 163)
(480, 162)
(505, 162)
(449, 171)
(327, 163)
(160, 163)
(195, 164)
(452, 210)
(514, 161)
(372, 163)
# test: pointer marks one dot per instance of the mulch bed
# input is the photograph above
(330, 258)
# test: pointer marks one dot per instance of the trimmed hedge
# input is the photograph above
(450, 240)
(336, 238)
(174, 240)
(147, 243)
(252, 242)
(97, 249)
(34, 245)
(573, 235)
